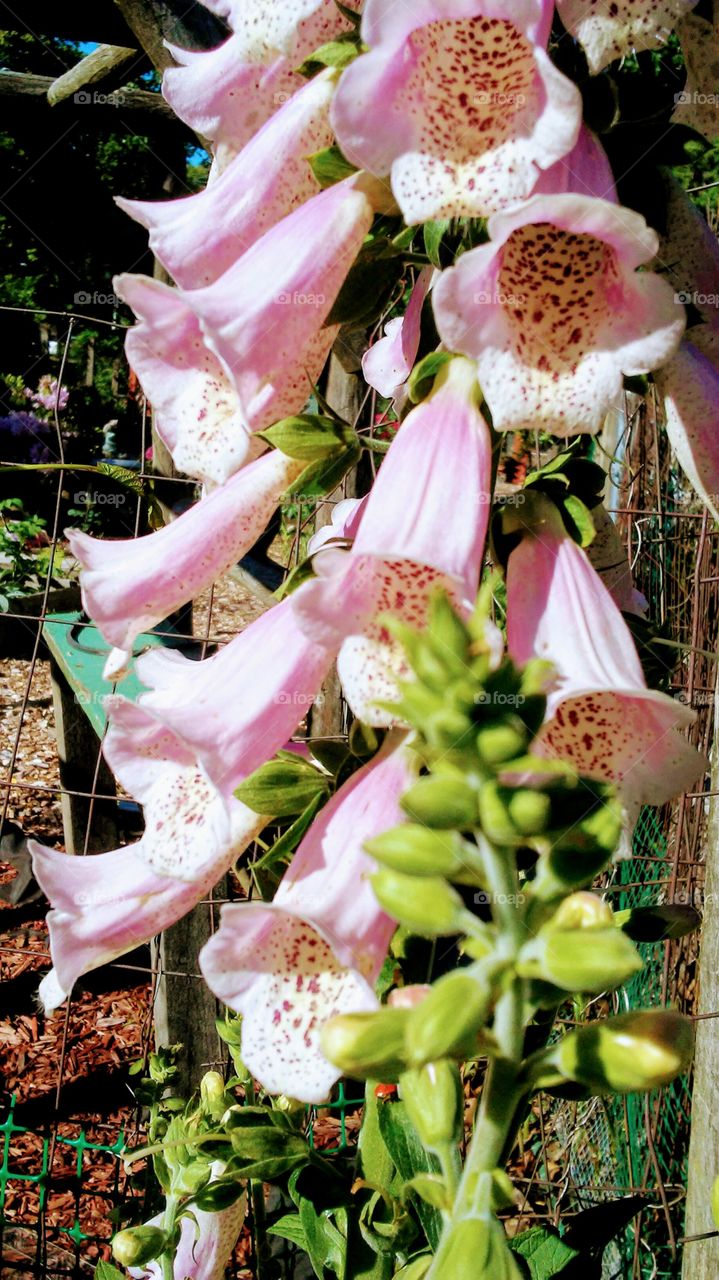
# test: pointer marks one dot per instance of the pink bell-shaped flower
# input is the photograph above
(316, 950)
(601, 716)
(109, 903)
(555, 313)
(607, 32)
(458, 102)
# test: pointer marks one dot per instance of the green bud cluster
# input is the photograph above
(447, 1024)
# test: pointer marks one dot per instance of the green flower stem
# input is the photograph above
(500, 1111)
(168, 1224)
(450, 1162)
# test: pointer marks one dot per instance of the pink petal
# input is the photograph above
(697, 102)
(412, 541)
(315, 951)
(345, 521)
(554, 337)
(689, 256)
(224, 96)
(201, 236)
(388, 364)
(233, 711)
(265, 317)
(196, 407)
(477, 109)
(385, 22)
(130, 585)
(608, 557)
(585, 171)
(690, 385)
(601, 716)
(609, 32)
(206, 1245)
(109, 903)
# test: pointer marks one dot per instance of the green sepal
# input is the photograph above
(308, 436)
(329, 165)
(283, 787)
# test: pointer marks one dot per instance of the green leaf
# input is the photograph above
(434, 233)
(325, 474)
(325, 1245)
(421, 379)
(329, 165)
(267, 1153)
(290, 1228)
(301, 573)
(106, 1271)
(432, 1188)
(282, 787)
(410, 1159)
(367, 289)
(219, 1195)
(308, 436)
(545, 1253)
(578, 520)
(289, 840)
(335, 53)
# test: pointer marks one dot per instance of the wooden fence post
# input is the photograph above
(701, 1257)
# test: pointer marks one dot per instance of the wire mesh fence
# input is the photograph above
(68, 1104)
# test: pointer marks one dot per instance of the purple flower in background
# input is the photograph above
(24, 438)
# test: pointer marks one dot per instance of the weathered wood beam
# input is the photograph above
(154, 21)
(97, 66)
(16, 84)
(701, 1257)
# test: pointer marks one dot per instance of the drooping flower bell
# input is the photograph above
(458, 102)
(130, 584)
(107, 904)
(236, 709)
(607, 32)
(226, 94)
(316, 950)
(601, 716)
(198, 237)
(389, 362)
(555, 313)
(222, 362)
(206, 1243)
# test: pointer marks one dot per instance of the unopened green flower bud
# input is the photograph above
(138, 1245)
(367, 1044)
(448, 728)
(530, 811)
(426, 905)
(417, 851)
(441, 802)
(477, 1247)
(448, 633)
(582, 910)
(434, 1100)
(447, 1024)
(589, 960)
(494, 814)
(498, 743)
(578, 855)
(215, 1100)
(364, 741)
(631, 1053)
(655, 924)
(416, 1269)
